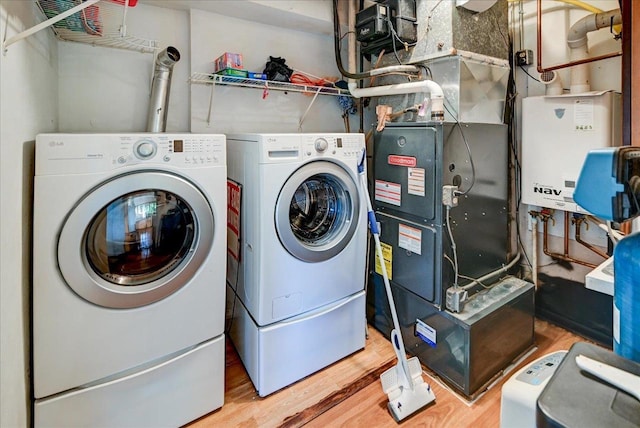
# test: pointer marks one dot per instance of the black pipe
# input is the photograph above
(336, 38)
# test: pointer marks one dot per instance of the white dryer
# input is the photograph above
(129, 253)
(297, 285)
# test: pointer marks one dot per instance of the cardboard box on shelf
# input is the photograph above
(228, 60)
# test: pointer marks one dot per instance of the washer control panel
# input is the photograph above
(333, 145)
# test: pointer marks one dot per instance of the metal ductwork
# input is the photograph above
(160, 89)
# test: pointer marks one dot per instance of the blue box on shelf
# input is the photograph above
(258, 76)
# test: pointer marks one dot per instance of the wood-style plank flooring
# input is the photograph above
(348, 393)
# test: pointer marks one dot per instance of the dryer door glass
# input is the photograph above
(136, 239)
(140, 237)
(316, 212)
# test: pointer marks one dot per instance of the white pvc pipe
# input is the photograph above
(437, 95)
(580, 76)
(554, 85)
(577, 42)
(534, 251)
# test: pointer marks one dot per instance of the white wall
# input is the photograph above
(245, 110)
(28, 105)
(107, 89)
(605, 75)
(556, 21)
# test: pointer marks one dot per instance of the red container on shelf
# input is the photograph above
(132, 3)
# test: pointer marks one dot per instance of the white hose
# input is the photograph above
(399, 347)
(490, 275)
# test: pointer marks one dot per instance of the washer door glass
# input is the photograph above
(316, 211)
(146, 242)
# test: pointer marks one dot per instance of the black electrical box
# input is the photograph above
(371, 23)
(387, 24)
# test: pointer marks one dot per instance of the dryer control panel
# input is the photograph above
(86, 153)
(180, 149)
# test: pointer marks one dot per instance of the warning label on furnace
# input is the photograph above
(387, 255)
(410, 238)
(388, 192)
(415, 181)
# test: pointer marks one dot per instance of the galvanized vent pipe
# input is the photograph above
(160, 89)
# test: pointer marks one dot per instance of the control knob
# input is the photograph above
(145, 149)
(321, 145)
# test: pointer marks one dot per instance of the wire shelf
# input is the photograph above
(219, 79)
(100, 24)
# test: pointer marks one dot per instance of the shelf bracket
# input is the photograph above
(308, 108)
(45, 24)
(213, 88)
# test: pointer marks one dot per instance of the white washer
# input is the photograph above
(128, 278)
(299, 280)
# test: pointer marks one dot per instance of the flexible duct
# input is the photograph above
(160, 89)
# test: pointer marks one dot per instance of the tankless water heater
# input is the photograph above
(557, 133)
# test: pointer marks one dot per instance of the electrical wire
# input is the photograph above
(527, 73)
(512, 92)
(395, 37)
(466, 143)
(454, 249)
(337, 37)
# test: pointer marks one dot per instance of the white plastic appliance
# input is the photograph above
(128, 278)
(297, 298)
(557, 133)
(521, 391)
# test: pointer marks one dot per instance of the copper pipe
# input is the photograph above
(542, 69)
(565, 257)
(625, 227)
(593, 248)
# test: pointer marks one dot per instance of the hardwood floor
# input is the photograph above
(348, 393)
